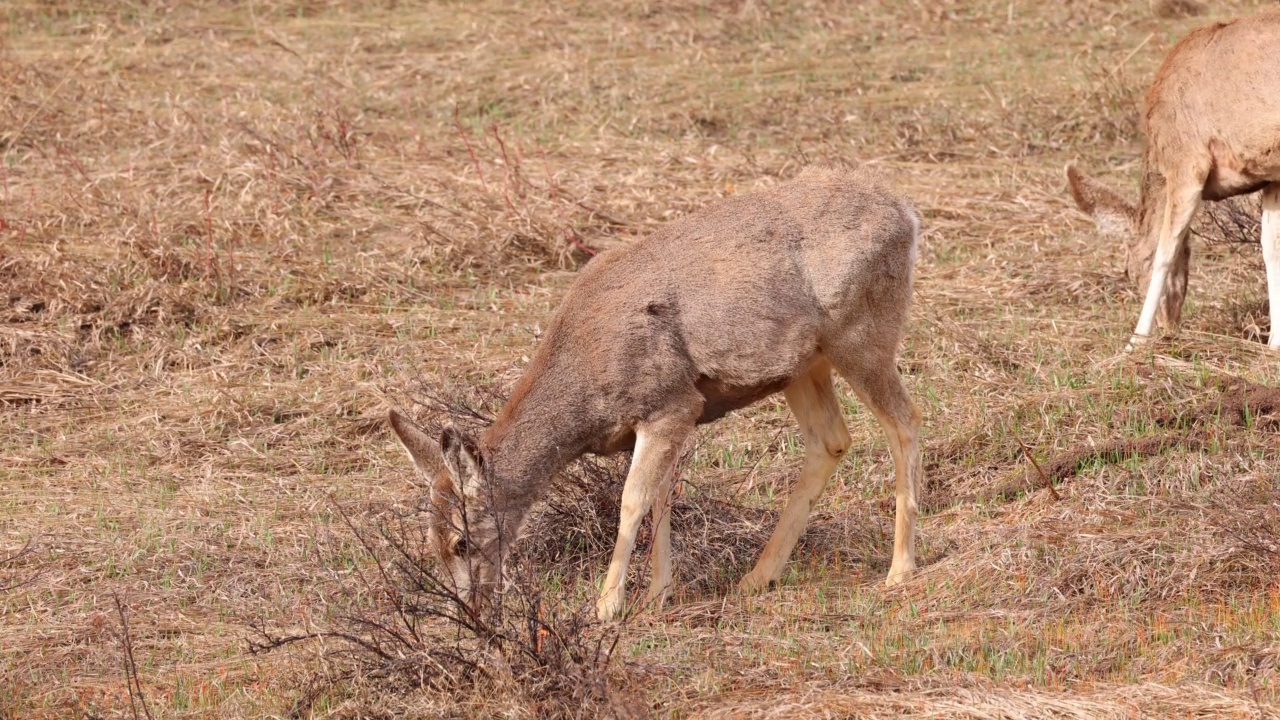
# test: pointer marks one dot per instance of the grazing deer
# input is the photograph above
(713, 312)
(1212, 121)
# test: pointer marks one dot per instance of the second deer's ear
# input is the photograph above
(1112, 214)
(424, 451)
(462, 456)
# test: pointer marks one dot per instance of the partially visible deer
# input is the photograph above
(752, 295)
(1212, 121)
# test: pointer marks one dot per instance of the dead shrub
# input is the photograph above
(404, 633)
(1236, 220)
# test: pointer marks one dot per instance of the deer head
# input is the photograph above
(1115, 217)
(462, 529)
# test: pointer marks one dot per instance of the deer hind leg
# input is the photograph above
(879, 387)
(657, 447)
(813, 401)
(1271, 256)
(1167, 288)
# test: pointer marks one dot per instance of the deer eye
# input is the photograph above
(459, 546)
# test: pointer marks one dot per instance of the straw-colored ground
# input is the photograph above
(232, 234)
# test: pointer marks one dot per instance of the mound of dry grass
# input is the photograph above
(716, 536)
(1241, 404)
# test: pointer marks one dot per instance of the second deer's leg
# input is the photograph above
(813, 401)
(1181, 200)
(880, 388)
(657, 447)
(1271, 256)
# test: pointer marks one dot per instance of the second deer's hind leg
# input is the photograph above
(1271, 256)
(813, 401)
(878, 385)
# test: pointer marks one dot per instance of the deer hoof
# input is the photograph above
(658, 597)
(899, 574)
(609, 607)
(754, 583)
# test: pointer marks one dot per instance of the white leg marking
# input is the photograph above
(1271, 256)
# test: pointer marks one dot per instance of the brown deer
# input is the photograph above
(1212, 121)
(713, 312)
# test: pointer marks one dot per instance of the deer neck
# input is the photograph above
(533, 438)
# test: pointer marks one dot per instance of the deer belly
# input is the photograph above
(1230, 176)
(720, 398)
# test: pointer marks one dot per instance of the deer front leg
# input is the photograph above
(657, 447)
(1181, 202)
(1271, 256)
(660, 566)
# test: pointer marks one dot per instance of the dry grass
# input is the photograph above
(232, 234)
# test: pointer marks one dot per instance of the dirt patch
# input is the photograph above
(1243, 404)
(1240, 405)
(1066, 465)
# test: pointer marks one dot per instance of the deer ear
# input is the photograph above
(1112, 214)
(463, 457)
(424, 451)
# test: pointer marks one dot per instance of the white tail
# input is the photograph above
(753, 295)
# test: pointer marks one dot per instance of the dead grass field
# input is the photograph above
(232, 234)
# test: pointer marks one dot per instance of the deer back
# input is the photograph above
(729, 304)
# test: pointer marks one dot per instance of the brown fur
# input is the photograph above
(1212, 121)
(752, 295)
